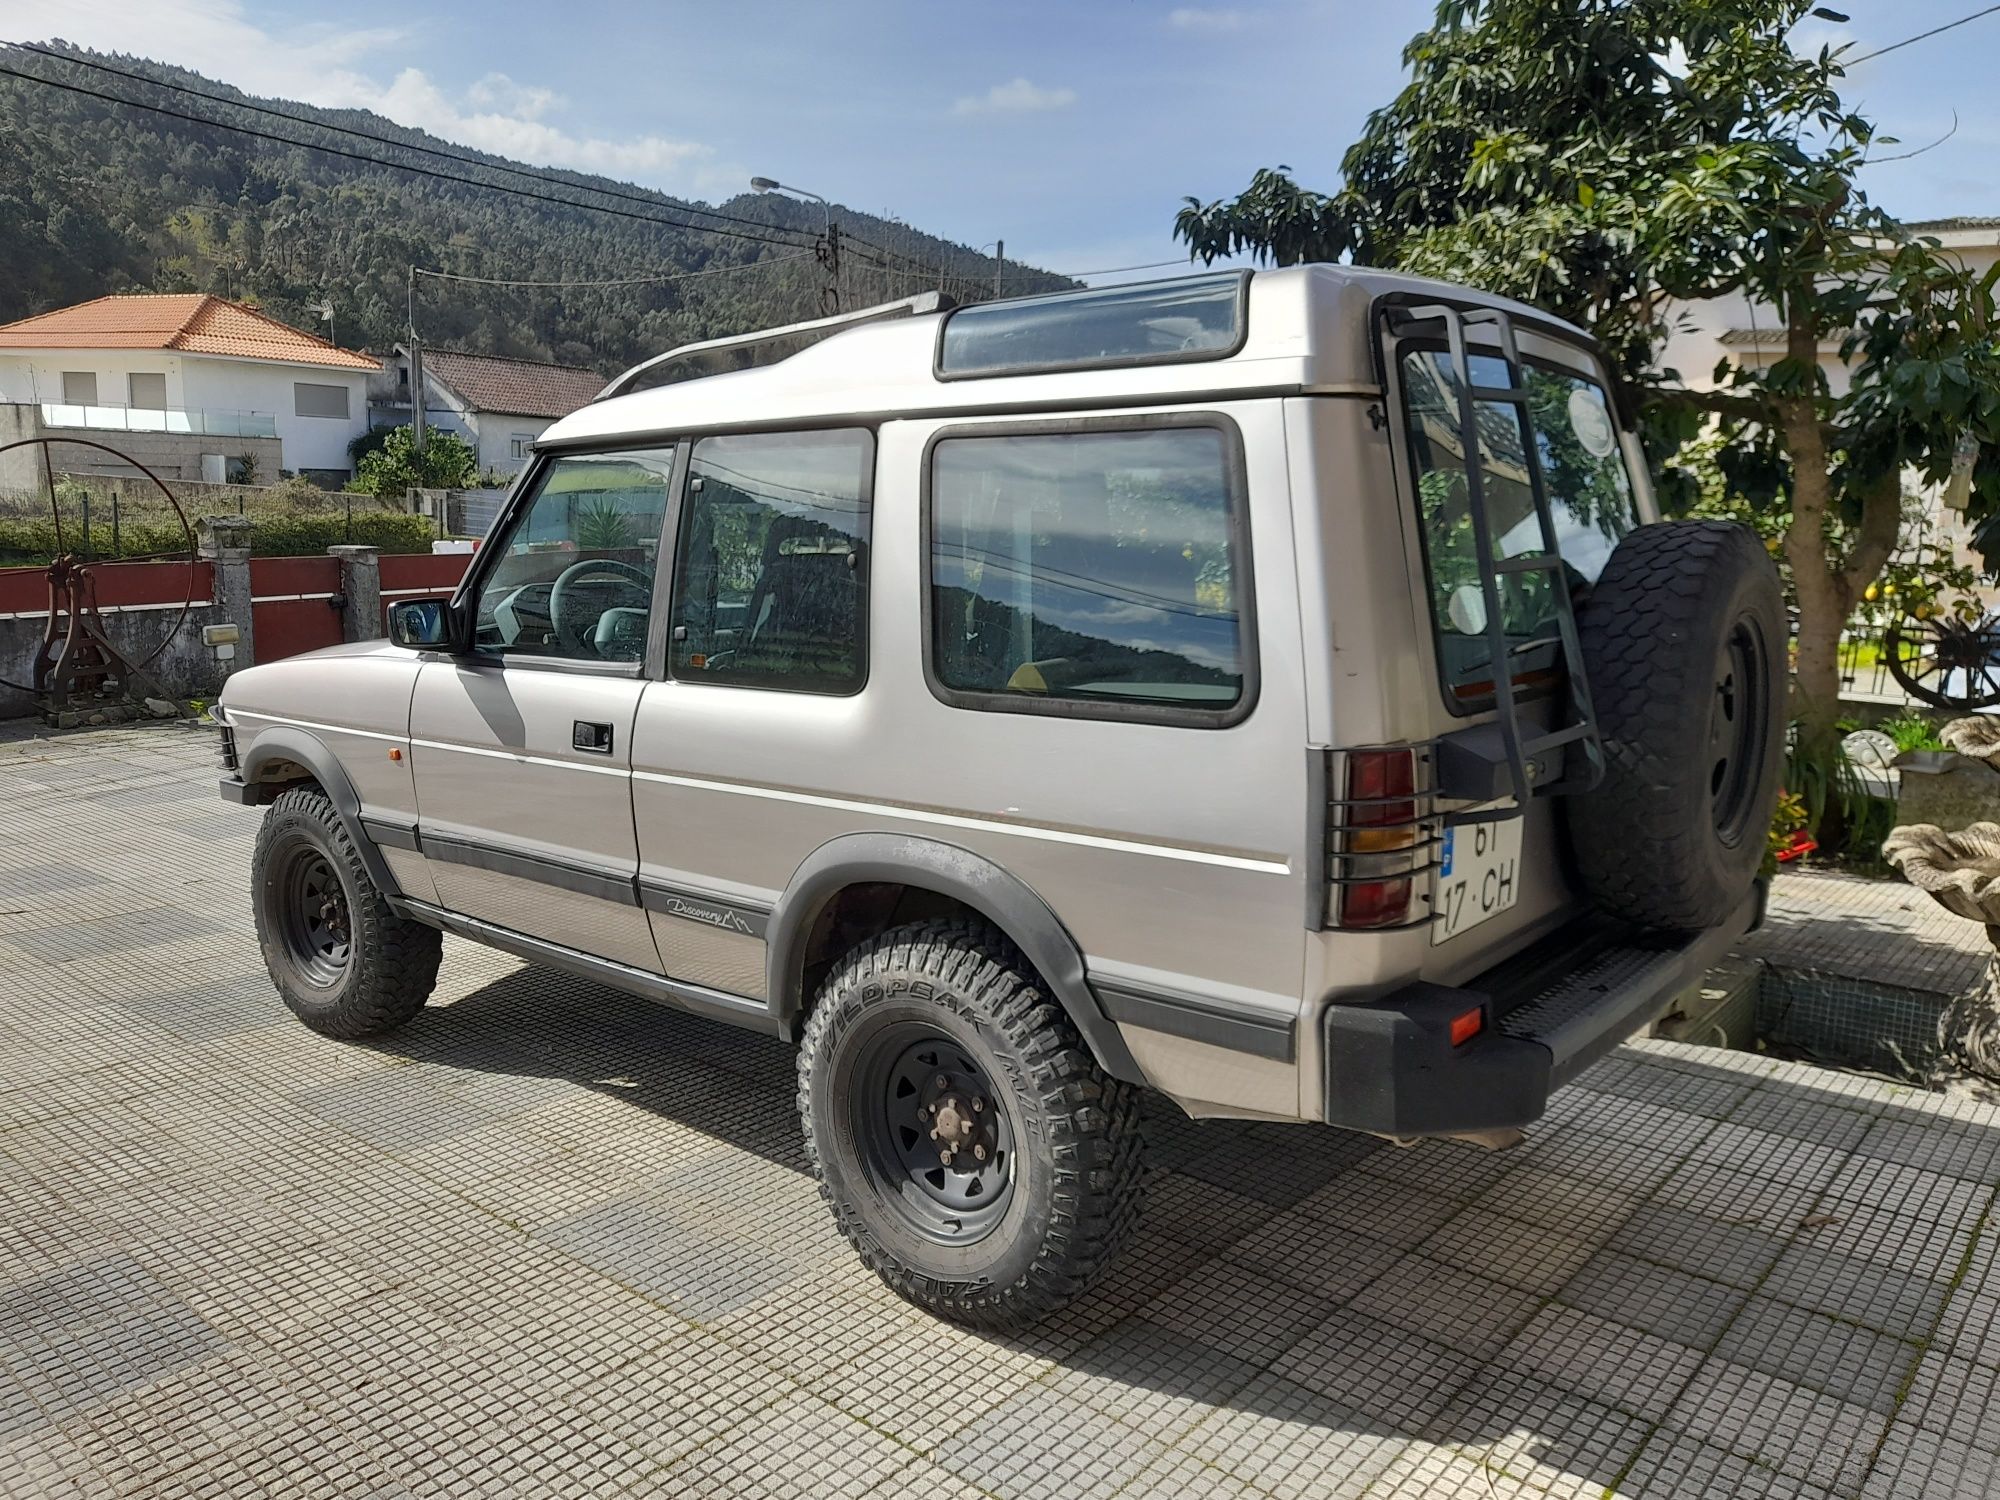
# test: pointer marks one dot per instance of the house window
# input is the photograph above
(520, 445)
(319, 400)
(79, 388)
(148, 392)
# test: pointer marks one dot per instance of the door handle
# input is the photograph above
(596, 738)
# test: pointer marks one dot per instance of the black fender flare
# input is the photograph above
(283, 742)
(931, 865)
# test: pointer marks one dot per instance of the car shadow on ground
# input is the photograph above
(1682, 1259)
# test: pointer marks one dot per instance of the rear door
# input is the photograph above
(522, 749)
(1498, 881)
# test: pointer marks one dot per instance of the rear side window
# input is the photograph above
(772, 587)
(1590, 502)
(1090, 572)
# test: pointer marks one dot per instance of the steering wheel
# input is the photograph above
(577, 599)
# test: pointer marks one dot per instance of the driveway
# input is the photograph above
(550, 1240)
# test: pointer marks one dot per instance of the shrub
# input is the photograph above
(311, 535)
(32, 542)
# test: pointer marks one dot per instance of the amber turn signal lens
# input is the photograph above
(395, 755)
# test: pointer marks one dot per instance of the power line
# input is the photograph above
(1920, 36)
(395, 166)
(1151, 265)
(753, 265)
(463, 158)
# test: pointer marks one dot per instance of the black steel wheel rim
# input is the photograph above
(934, 1134)
(315, 920)
(1739, 726)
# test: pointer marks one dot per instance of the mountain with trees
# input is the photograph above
(336, 206)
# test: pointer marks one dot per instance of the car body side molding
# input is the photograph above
(932, 865)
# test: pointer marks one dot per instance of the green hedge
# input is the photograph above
(33, 542)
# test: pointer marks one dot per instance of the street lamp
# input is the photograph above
(772, 185)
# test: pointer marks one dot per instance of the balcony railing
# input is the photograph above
(203, 423)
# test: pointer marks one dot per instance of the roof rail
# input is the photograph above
(766, 346)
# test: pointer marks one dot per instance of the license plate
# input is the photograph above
(1479, 876)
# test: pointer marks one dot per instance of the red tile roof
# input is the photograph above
(515, 387)
(186, 322)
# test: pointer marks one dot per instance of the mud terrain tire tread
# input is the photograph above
(1091, 1152)
(1651, 632)
(393, 962)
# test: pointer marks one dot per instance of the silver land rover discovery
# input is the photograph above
(1276, 690)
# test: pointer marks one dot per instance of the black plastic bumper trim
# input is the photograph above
(390, 835)
(1390, 1067)
(1197, 1018)
(235, 790)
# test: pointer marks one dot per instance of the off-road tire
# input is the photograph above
(1663, 636)
(392, 962)
(1076, 1190)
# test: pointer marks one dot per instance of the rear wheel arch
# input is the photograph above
(881, 879)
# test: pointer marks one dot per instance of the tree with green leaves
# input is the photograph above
(1616, 160)
(396, 467)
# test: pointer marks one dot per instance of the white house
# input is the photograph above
(187, 383)
(500, 406)
(1753, 335)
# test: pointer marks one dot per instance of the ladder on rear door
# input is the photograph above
(1582, 768)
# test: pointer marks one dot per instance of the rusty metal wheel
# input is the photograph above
(1946, 663)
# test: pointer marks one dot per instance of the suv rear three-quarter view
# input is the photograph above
(1276, 690)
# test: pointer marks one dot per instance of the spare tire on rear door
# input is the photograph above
(1683, 642)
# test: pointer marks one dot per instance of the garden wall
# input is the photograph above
(280, 606)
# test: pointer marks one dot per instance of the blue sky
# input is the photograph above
(1071, 130)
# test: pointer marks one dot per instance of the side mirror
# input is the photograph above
(424, 625)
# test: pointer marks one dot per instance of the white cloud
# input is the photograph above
(328, 65)
(498, 92)
(1198, 18)
(1017, 98)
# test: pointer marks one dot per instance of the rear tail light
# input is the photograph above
(1380, 834)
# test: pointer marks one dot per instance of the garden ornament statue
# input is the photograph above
(1961, 872)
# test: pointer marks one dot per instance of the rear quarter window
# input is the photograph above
(1091, 573)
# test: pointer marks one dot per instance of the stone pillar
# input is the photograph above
(225, 542)
(361, 587)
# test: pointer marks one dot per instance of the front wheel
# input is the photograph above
(344, 963)
(971, 1149)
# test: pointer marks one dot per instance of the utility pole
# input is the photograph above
(830, 257)
(999, 261)
(416, 372)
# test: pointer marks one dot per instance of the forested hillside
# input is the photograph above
(98, 197)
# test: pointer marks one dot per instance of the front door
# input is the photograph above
(521, 749)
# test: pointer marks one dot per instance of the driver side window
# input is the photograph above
(575, 576)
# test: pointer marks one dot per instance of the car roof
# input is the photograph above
(1310, 331)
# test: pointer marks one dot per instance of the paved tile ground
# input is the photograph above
(548, 1241)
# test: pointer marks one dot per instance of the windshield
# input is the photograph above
(1590, 505)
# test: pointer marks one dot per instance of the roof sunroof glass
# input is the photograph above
(1196, 317)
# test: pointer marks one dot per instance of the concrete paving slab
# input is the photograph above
(551, 1241)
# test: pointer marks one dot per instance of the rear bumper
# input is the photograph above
(233, 790)
(1548, 1013)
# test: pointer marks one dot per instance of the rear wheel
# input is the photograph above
(343, 962)
(970, 1148)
